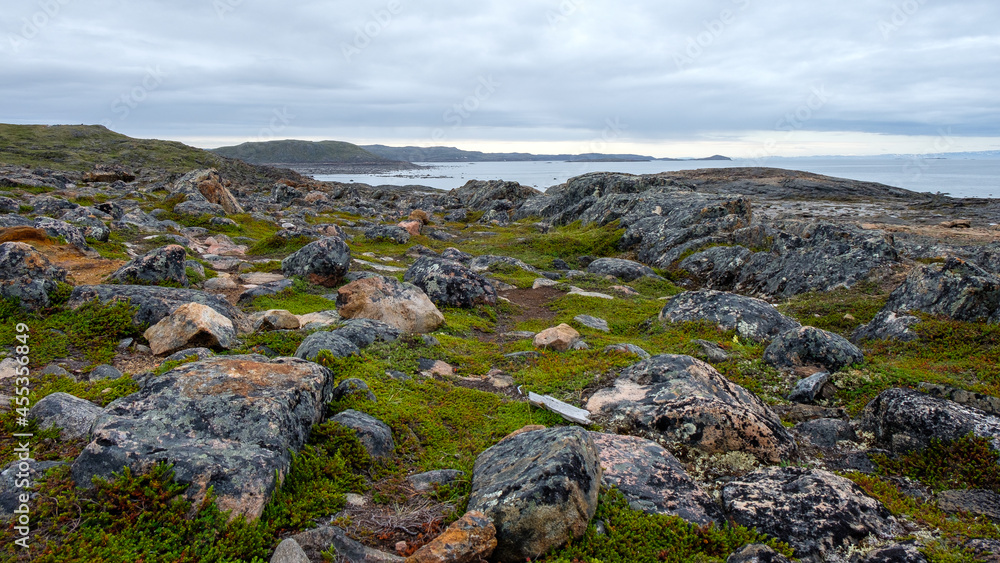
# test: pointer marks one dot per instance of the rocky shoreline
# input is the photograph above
(747, 354)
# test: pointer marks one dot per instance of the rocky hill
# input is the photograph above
(239, 363)
(323, 156)
(452, 154)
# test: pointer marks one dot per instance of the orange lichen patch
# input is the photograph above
(82, 270)
(237, 377)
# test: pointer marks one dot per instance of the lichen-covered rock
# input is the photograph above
(810, 346)
(164, 264)
(956, 289)
(373, 434)
(402, 305)
(276, 319)
(152, 303)
(750, 318)
(814, 511)
(684, 400)
(627, 349)
(324, 262)
(449, 283)
(192, 325)
(652, 480)
(717, 267)
(980, 502)
(27, 275)
(757, 553)
(332, 538)
(425, 482)
(317, 342)
(72, 415)
(469, 539)
(479, 194)
(392, 233)
(808, 389)
(826, 432)
(489, 262)
(73, 235)
(539, 488)
(289, 551)
(229, 423)
(625, 270)
(896, 553)
(365, 332)
(904, 420)
(559, 338)
(12, 476)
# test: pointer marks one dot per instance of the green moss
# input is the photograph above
(967, 463)
(283, 342)
(114, 248)
(635, 537)
(21, 188)
(300, 299)
(268, 267)
(827, 310)
(279, 246)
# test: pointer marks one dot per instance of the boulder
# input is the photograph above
(684, 400)
(373, 434)
(652, 480)
(826, 432)
(401, 305)
(896, 553)
(393, 233)
(27, 275)
(425, 482)
(814, 511)
(214, 192)
(12, 475)
(810, 388)
(324, 262)
(73, 235)
(757, 553)
(625, 270)
(480, 194)
(539, 488)
(276, 319)
(717, 267)
(449, 283)
(191, 326)
(980, 502)
(139, 219)
(903, 420)
(751, 318)
(470, 538)
(956, 289)
(196, 208)
(593, 323)
(229, 423)
(810, 346)
(365, 332)
(153, 303)
(289, 551)
(560, 338)
(351, 388)
(332, 538)
(72, 415)
(489, 262)
(627, 349)
(316, 342)
(411, 227)
(164, 264)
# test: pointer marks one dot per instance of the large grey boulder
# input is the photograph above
(365, 332)
(956, 289)
(72, 415)
(814, 511)
(153, 303)
(750, 318)
(27, 275)
(401, 305)
(317, 342)
(324, 262)
(164, 264)
(904, 420)
(449, 283)
(683, 400)
(652, 479)
(539, 488)
(479, 194)
(810, 346)
(373, 434)
(229, 423)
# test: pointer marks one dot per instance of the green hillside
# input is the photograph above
(300, 152)
(81, 147)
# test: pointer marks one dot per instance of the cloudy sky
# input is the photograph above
(682, 78)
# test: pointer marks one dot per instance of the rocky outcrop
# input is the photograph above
(402, 305)
(896, 553)
(164, 264)
(324, 262)
(652, 480)
(73, 416)
(479, 194)
(904, 420)
(750, 318)
(27, 275)
(683, 400)
(956, 289)
(191, 326)
(449, 283)
(152, 303)
(814, 511)
(539, 488)
(393, 233)
(625, 270)
(757, 553)
(229, 423)
(810, 346)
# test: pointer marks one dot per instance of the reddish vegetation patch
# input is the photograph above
(82, 270)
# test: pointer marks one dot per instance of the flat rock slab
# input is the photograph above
(814, 511)
(653, 480)
(980, 502)
(228, 423)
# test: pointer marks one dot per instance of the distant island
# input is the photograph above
(325, 157)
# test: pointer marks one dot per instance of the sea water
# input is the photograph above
(956, 177)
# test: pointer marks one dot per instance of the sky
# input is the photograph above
(686, 78)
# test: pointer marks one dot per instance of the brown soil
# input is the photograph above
(531, 303)
(940, 234)
(82, 270)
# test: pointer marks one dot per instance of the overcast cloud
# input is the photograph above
(680, 78)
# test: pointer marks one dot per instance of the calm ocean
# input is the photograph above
(956, 177)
